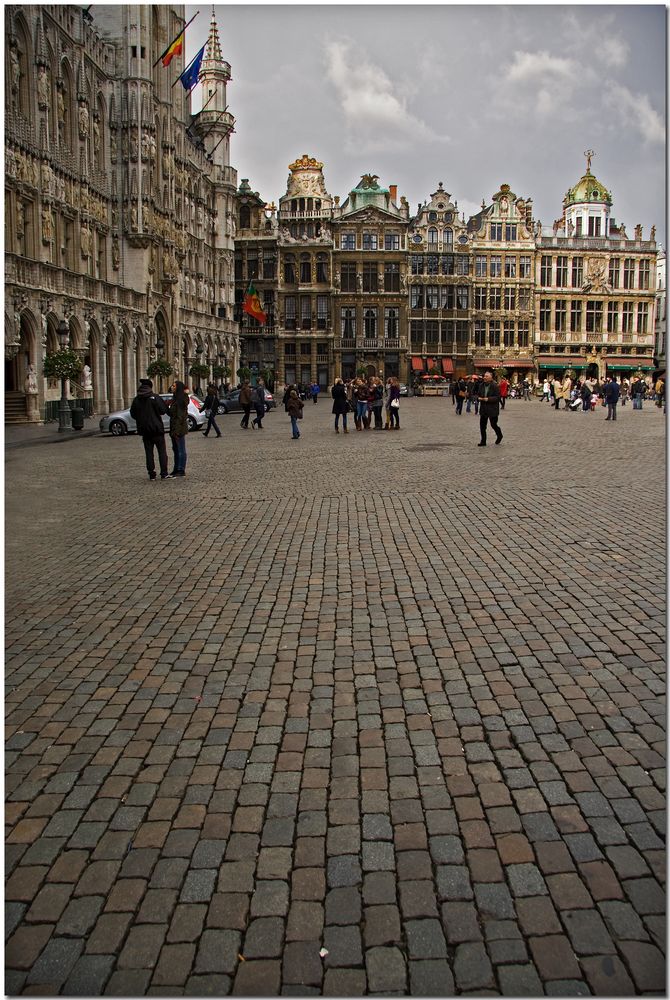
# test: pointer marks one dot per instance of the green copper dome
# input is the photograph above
(588, 189)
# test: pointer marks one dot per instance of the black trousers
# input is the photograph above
(486, 418)
(247, 413)
(157, 440)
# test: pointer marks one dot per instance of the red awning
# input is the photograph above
(490, 363)
(561, 360)
(430, 364)
(417, 364)
(447, 366)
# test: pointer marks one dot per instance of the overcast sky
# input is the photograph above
(471, 96)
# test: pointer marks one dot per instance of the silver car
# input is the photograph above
(122, 423)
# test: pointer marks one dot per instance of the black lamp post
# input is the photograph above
(160, 344)
(64, 412)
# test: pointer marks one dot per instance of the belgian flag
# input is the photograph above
(252, 305)
(175, 49)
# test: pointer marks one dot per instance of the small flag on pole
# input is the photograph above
(252, 305)
(189, 77)
(175, 49)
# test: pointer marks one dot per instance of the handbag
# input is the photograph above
(461, 394)
(395, 403)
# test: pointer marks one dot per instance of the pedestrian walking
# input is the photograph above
(178, 407)
(294, 410)
(258, 400)
(659, 389)
(394, 404)
(624, 391)
(566, 389)
(245, 403)
(585, 393)
(461, 393)
(503, 385)
(546, 391)
(315, 389)
(611, 398)
(376, 402)
(557, 392)
(637, 388)
(211, 408)
(340, 404)
(525, 385)
(489, 408)
(148, 410)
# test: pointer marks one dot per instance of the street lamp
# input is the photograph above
(198, 354)
(64, 412)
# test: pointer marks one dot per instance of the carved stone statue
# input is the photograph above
(87, 382)
(152, 148)
(571, 227)
(20, 218)
(83, 121)
(622, 230)
(115, 254)
(60, 108)
(30, 383)
(652, 235)
(638, 232)
(14, 69)
(47, 226)
(133, 145)
(43, 88)
(133, 218)
(96, 136)
(85, 241)
(46, 178)
(145, 146)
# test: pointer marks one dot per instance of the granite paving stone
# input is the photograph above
(448, 781)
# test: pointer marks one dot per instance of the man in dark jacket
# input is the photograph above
(489, 407)
(611, 398)
(147, 411)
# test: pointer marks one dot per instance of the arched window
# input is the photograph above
(322, 267)
(448, 237)
(432, 235)
(245, 217)
(305, 269)
(370, 323)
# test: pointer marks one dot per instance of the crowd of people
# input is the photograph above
(375, 404)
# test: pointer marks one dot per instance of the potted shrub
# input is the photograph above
(63, 364)
(243, 373)
(160, 369)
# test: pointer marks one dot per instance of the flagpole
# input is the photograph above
(217, 119)
(174, 40)
(210, 98)
(218, 143)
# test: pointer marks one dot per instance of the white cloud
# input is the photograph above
(528, 66)
(375, 116)
(636, 110)
(612, 51)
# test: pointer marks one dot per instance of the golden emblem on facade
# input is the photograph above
(306, 163)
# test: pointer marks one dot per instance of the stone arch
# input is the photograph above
(111, 345)
(128, 352)
(77, 335)
(69, 121)
(22, 52)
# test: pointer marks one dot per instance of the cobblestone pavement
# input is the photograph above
(290, 725)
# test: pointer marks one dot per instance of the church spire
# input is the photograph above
(213, 57)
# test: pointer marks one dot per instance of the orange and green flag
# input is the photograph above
(175, 49)
(252, 305)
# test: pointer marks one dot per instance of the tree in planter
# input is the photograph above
(63, 364)
(160, 369)
(501, 373)
(243, 374)
(198, 371)
(361, 371)
(268, 376)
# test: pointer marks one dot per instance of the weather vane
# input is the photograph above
(588, 153)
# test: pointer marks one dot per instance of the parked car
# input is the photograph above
(230, 402)
(403, 389)
(121, 422)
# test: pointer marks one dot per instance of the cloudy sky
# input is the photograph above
(471, 96)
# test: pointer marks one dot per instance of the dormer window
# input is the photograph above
(496, 231)
(432, 216)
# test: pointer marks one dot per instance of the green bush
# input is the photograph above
(161, 368)
(63, 364)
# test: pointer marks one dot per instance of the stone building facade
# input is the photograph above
(304, 277)
(595, 297)
(119, 204)
(256, 263)
(369, 316)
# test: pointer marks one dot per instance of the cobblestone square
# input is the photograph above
(381, 713)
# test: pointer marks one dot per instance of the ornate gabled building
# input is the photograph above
(119, 204)
(370, 296)
(595, 288)
(305, 242)
(502, 284)
(440, 293)
(256, 263)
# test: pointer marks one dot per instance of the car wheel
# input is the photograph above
(192, 424)
(118, 428)
(223, 408)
